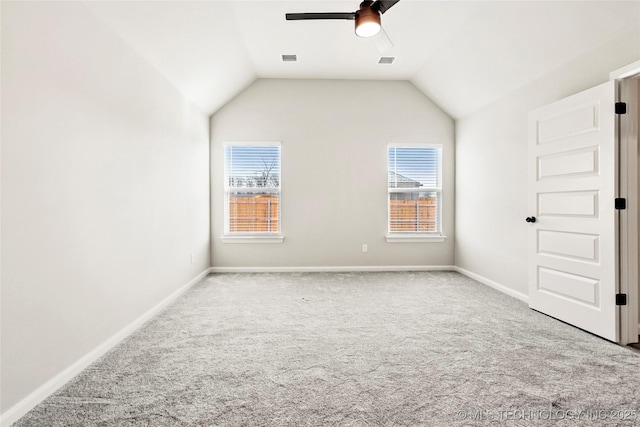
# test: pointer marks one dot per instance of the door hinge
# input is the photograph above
(621, 108)
(621, 299)
(621, 203)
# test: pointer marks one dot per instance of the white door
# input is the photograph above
(573, 243)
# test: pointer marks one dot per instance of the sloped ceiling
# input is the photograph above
(461, 54)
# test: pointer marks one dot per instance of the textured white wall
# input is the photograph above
(491, 164)
(334, 136)
(105, 190)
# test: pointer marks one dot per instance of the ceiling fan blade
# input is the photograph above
(383, 5)
(382, 41)
(320, 15)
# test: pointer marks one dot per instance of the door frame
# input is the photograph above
(627, 90)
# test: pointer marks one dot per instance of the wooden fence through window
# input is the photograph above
(254, 214)
(413, 215)
(261, 214)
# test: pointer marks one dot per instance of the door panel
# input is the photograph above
(568, 203)
(579, 246)
(569, 164)
(569, 123)
(573, 252)
(578, 288)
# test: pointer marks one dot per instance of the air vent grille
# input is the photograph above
(289, 58)
(386, 59)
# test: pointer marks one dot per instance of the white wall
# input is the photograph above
(105, 191)
(334, 136)
(491, 164)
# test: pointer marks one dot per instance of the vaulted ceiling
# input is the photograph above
(462, 54)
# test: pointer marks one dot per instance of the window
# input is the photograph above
(415, 191)
(252, 190)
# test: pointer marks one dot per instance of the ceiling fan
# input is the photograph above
(367, 20)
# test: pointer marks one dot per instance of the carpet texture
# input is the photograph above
(353, 349)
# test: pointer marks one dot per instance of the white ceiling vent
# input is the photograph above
(386, 59)
(289, 58)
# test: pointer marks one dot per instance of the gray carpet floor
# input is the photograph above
(361, 349)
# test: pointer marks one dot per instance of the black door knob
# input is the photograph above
(531, 219)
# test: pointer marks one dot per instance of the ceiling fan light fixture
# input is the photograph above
(367, 20)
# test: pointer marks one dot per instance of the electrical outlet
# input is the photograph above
(365, 248)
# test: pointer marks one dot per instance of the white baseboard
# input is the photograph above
(17, 411)
(333, 269)
(497, 286)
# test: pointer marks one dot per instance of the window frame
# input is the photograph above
(417, 236)
(251, 237)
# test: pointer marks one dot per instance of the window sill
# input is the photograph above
(273, 238)
(415, 238)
